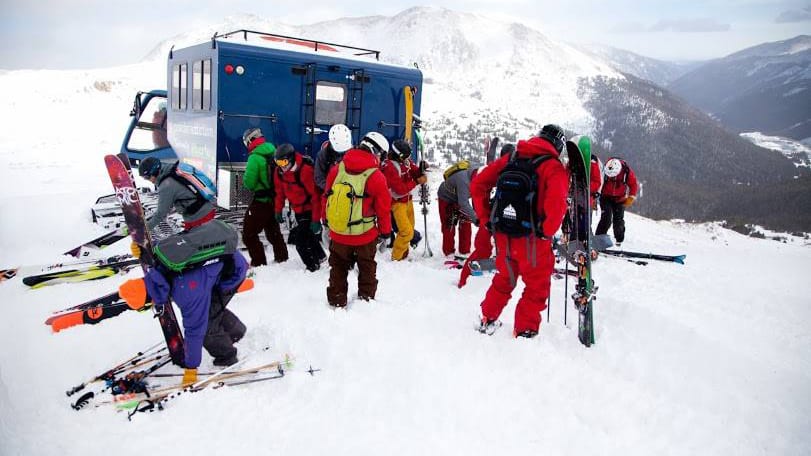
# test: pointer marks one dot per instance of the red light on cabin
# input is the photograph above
(229, 69)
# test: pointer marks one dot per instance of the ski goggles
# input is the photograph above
(282, 162)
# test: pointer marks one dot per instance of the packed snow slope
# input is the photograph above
(711, 358)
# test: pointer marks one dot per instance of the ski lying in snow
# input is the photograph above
(100, 309)
(105, 240)
(650, 256)
(93, 272)
(578, 232)
(129, 363)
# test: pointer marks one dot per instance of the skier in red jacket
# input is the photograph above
(525, 254)
(356, 229)
(619, 192)
(294, 182)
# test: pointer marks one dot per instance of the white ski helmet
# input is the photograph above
(340, 137)
(613, 167)
(374, 140)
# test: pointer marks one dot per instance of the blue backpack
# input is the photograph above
(197, 182)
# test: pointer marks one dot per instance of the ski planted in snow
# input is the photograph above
(127, 194)
(578, 232)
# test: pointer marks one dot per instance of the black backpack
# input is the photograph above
(513, 206)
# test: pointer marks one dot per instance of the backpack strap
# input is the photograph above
(199, 200)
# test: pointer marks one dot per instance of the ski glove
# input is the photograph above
(136, 250)
(189, 377)
(629, 201)
(279, 217)
(133, 292)
(315, 227)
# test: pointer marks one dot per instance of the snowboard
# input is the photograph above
(127, 194)
(408, 93)
(651, 256)
(579, 234)
(492, 149)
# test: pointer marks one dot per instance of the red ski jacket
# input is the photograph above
(377, 202)
(297, 185)
(401, 178)
(622, 186)
(553, 184)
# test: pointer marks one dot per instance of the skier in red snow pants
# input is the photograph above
(529, 257)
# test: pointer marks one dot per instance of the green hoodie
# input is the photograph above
(256, 171)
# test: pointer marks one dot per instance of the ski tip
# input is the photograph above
(246, 285)
(679, 259)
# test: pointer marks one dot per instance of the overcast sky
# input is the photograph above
(94, 33)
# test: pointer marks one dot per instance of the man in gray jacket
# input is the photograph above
(171, 192)
(455, 210)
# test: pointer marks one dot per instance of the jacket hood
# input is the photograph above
(357, 161)
(534, 147)
(260, 147)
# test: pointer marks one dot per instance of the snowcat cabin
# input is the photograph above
(294, 90)
(147, 135)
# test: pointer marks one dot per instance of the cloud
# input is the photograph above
(689, 26)
(795, 16)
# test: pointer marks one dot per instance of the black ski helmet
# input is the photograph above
(401, 149)
(149, 167)
(554, 134)
(285, 152)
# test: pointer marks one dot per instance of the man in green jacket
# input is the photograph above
(260, 214)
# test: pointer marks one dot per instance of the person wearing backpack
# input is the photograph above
(402, 175)
(201, 293)
(195, 209)
(619, 191)
(294, 182)
(455, 209)
(357, 207)
(527, 210)
(261, 213)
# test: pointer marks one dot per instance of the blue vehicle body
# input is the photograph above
(293, 90)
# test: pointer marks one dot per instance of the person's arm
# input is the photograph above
(481, 185)
(308, 181)
(633, 184)
(278, 184)
(382, 201)
(555, 181)
(251, 177)
(165, 200)
(463, 195)
(321, 170)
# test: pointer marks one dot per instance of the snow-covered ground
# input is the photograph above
(795, 150)
(709, 358)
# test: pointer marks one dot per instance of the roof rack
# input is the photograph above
(316, 45)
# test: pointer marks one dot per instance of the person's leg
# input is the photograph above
(340, 261)
(218, 341)
(537, 281)
(448, 228)
(464, 234)
(251, 227)
(619, 223)
(274, 234)
(367, 270)
(304, 240)
(503, 284)
(405, 231)
(605, 217)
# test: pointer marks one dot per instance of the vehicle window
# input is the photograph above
(179, 87)
(150, 130)
(330, 103)
(201, 85)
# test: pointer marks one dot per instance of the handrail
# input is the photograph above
(315, 43)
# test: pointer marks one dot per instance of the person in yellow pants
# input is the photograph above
(402, 175)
